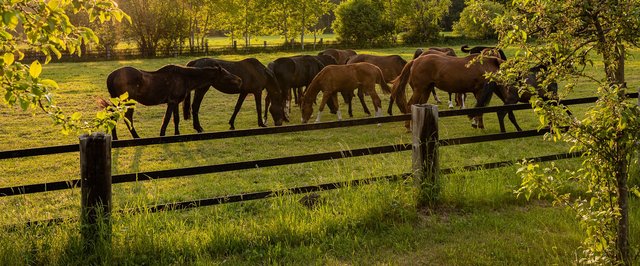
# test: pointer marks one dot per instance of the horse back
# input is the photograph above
(450, 73)
(391, 65)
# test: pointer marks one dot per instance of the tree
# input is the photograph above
(156, 23)
(476, 17)
(45, 27)
(419, 18)
(362, 22)
(565, 36)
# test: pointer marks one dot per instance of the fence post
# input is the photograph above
(425, 162)
(95, 181)
(265, 44)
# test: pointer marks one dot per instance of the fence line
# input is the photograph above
(276, 130)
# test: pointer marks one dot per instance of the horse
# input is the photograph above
(479, 49)
(448, 73)
(513, 97)
(294, 73)
(169, 84)
(460, 97)
(445, 50)
(391, 66)
(341, 56)
(255, 78)
(335, 78)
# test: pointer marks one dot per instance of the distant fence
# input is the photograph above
(89, 55)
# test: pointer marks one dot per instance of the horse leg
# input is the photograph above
(501, 115)
(129, 122)
(435, 96)
(176, 118)
(377, 103)
(325, 98)
(451, 102)
(364, 104)
(267, 102)
(512, 118)
(258, 98)
(198, 95)
(236, 109)
(165, 119)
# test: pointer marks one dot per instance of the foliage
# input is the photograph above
(362, 22)
(156, 24)
(475, 19)
(45, 27)
(420, 19)
(563, 36)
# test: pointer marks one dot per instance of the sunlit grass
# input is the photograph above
(480, 220)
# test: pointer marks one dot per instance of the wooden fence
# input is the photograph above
(96, 178)
(91, 55)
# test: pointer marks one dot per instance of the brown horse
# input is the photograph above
(450, 74)
(169, 84)
(341, 56)
(255, 78)
(391, 66)
(460, 97)
(335, 78)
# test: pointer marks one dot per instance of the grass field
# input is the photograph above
(480, 221)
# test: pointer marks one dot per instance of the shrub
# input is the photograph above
(361, 22)
(475, 20)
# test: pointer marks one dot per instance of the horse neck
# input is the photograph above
(312, 91)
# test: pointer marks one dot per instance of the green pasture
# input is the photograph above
(480, 221)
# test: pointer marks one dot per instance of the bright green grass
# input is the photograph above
(480, 221)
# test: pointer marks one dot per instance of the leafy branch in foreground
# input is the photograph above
(45, 27)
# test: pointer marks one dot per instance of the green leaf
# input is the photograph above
(76, 116)
(24, 104)
(35, 69)
(8, 58)
(10, 19)
(49, 83)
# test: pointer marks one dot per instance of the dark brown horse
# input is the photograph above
(448, 73)
(293, 74)
(255, 78)
(169, 84)
(337, 78)
(341, 56)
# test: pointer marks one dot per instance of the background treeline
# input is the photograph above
(186, 24)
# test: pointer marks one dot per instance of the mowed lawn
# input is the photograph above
(480, 220)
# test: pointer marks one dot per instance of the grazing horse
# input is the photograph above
(294, 73)
(450, 74)
(512, 96)
(479, 49)
(169, 84)
(341, 56)
(391, 66)
(255, 77)
(445, 50)
(335, 78)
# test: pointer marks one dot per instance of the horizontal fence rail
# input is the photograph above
(276, 130)
(184, 205)
(198, 170)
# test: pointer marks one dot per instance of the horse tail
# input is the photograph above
(103, 103)
(186, 106)
(484, 97)
(383, 83)
(465, 49)
(399, 85)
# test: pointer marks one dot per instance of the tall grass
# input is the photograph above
(480, 221)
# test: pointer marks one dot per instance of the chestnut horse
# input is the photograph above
(336, 78)
(391, 66)
(460, 97)
(448, 73)
(169, 84)
(255, 78)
